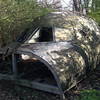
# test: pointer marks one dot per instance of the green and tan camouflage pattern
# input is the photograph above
(69, 63)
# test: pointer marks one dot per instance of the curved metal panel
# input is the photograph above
(68, 64)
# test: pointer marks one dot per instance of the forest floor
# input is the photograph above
(88, 89)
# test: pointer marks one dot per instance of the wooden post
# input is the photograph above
(14, 66)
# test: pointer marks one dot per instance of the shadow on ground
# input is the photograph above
(88, 87)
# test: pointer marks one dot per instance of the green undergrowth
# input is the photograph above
(95, 15)
(89, 95)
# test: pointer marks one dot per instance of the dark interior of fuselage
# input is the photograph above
(35, 70)
(31, 69)
(46, 34)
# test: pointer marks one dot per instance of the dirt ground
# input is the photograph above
(9, 91)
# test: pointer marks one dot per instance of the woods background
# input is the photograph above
(16, 15)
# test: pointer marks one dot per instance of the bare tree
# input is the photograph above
(75, 5)
(55, 4)
(81, 6)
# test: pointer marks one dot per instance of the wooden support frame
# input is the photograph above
(31, 84)
(14, 66)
